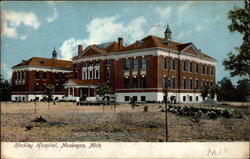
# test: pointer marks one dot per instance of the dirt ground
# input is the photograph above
(72, 123)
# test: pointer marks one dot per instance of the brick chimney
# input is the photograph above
(79, 49)
(120, 43)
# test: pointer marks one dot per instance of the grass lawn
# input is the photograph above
(72, 123)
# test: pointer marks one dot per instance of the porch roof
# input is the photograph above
(81, 83)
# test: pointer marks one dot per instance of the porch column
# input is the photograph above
(69, 91)
(73, 91)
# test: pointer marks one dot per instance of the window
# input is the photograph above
(37, 75)
(21, 75)
(84, 76)
(143, 98)
(212, 71)
(172, 64)
(76, 75)
(108, 72)
(76, 66)
(196, 84)
(126, 98)
(164, 63)
(184, 83)
(97, 63)
(91, 64)
(44, 75)
(190, 84)
(208, 70)
(90, 74)
(196, 68)
(108, 62)
(183, 66)
(184, 98)
(197, 98)
(172, 82)
(84, 65)
(143, 82)
(190, 67)
(127, 65)
(208, 83)
(203, 69)
(164, 82)
(96, 74)
(134, 98)
(126, 83)
(190, 98)
(135, 67)
(143, 64)
(63, 76)
(134, 82)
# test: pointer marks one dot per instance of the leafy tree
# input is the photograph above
(5, 90)
(103, 90)
(213, 90)
(243, 90)
(204, 91)
(227, 90)
(239, 64)
(48, 92)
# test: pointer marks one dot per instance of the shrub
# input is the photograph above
(212, 115)
(226, 114)
(145, 108)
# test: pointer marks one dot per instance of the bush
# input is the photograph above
(145, 108)
(226, 114)
(212, 115)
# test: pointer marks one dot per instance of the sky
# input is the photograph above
(33, 29)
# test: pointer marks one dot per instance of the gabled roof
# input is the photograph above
(153, 41)
(101, 48)
(46, 62)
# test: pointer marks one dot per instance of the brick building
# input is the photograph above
(30, 77)
(143, 70)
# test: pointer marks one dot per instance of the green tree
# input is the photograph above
(213, 90)
(204, 91)
(243, 90)
(226, 90)
(104, 91)
(5, 90)
(239, 64)
(48, 92)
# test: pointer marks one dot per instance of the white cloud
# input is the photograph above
(53, 17)
(6, 71)
(12, 20)
(102, 30)
(69, 48)
(108, 29)
(164, 13)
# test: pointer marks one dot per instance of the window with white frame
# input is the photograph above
(90, 74)
(97, 74)
(84, 74)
